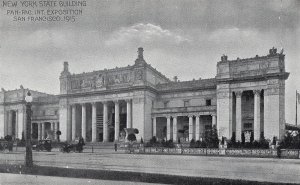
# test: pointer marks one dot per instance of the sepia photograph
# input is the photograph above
(123, 92)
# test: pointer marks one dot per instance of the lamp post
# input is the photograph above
(28, 154)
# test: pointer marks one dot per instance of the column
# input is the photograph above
(39, 131)
(168, 128)
(43, 130)
(53, 130)
(154, 126)
(73, 107)
(256, 115)
(128, 118)
(214, 119)
(197, 127)
(5, 123)
(191, 129)
(105, 122)
(201, 129)
(83, 121)
(56, 129)
(174, 128)
(238, 113)
(94, 122)
(69, 124)
(9, 125)
(17, 126)
(117, 120)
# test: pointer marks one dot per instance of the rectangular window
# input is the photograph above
(248, 126)
(166, 104)
(186, 103)
(208, 102)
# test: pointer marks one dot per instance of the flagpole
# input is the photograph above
(296, 106)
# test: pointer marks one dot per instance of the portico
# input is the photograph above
(97, 121)
(249, 113)
(184, 127)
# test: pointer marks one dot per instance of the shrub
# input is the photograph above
(211, 138)
(243, 138)
(290, 141)
(169, 144)
(223, 141)
(153, 140)
(252, 137)
(233, 138)
(136, 131)
(142, 141)
(197, 144)
(192, 143)
(8, 138)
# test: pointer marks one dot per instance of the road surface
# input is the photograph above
(257, 169)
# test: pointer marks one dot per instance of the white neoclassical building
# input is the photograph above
(247, 95)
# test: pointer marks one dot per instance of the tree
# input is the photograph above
(131, 137)
(211, 137)
(214, 137)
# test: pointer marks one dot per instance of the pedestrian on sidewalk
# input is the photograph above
(116, 146)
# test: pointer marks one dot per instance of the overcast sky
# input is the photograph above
(183, 38)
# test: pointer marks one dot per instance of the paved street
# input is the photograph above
(20, 179)
(260, 169)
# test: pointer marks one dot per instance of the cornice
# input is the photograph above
(283, 75)
(110, 91)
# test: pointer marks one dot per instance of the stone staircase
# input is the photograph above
(100, 145)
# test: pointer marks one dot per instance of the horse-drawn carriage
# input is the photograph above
(43, 145)
(73, 147)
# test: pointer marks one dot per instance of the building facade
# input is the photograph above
(247, 95)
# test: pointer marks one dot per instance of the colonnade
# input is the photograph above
(257, 113)
(72, 135)
(41, 128)
(197, 128)
(14, 123)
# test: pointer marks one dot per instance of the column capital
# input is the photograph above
(238, 93)
(174, 116)
(104, 102)
(83, 104)
(128, 100)
(257, 92)
(93, 103)
(168, 116)
(116, 101)
(197, 115)
(190, 115)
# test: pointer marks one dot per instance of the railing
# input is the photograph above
(262, 153)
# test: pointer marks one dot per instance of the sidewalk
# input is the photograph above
(20, 179)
